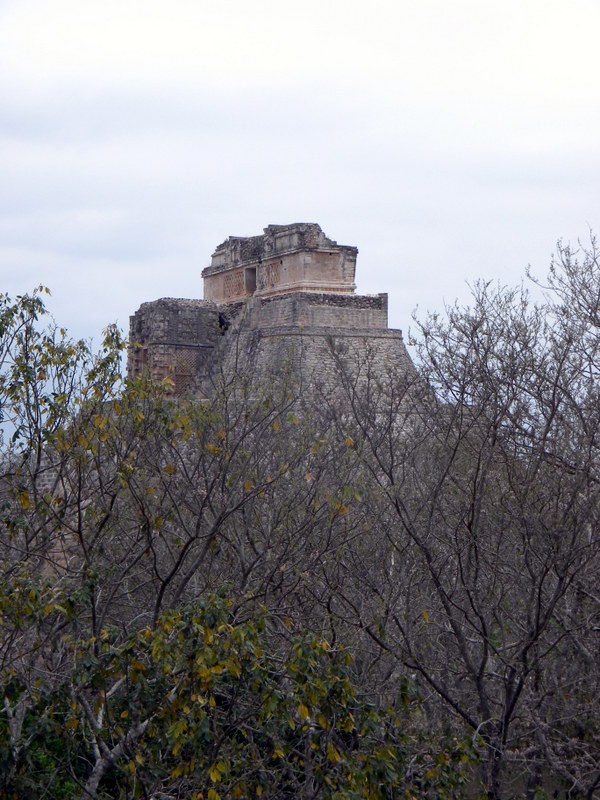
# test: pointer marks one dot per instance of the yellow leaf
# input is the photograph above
(212, 795)
(169, 469)
(124, 714)
(24, 499)
(214, 773)
(258, 791)
(349, 441)
(302, 711)
(425, 615)
(343, 510)
(332, 753)
(234, 668)
(275, 428)
(247, 486)
(348, 724)
(278, 753)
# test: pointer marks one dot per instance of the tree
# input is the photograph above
(197, 706)
(386, 586)
(482, 478)
(123, 674)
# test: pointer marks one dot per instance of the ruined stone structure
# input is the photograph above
(285, 295)
(286, 258)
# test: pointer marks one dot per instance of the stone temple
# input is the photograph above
(287, 296)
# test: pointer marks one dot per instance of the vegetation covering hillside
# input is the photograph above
(386, 591)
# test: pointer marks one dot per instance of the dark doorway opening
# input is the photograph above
(250, 280)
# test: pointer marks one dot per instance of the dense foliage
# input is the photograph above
(388, 590)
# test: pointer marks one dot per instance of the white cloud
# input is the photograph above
(445, 139)
(519, 49)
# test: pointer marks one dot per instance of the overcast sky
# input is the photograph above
(447, 139)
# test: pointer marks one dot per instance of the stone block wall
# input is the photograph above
(175, 339)
(313, 355)
(322, 310)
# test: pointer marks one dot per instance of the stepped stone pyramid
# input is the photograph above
(286, 296)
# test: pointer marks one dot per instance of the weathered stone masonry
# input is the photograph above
(289, 291)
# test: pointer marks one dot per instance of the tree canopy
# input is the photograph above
(384, 586)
